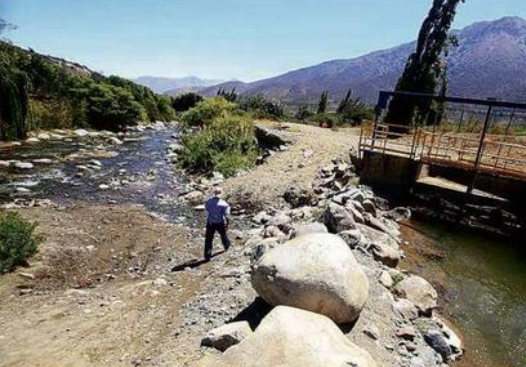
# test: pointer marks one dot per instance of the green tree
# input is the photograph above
(183, 102)
(424, 68)
(324, 102)
(303, 113)
(344, 102)
(229, 96)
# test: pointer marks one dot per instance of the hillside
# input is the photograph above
(40, 92)
(170, 86)
(489, 62)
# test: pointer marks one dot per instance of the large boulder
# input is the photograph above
(419, 292)
(225, 336)
(315, 272)
(291, 337)
(309, 228)
(338, 219)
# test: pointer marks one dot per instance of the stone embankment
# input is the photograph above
(324, 267)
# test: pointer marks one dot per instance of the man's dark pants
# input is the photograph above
(211, 229)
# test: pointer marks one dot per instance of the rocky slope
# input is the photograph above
(489, 62)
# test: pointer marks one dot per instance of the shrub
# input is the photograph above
(184, 102)
(226, 145)
(261, 108)
(328, 120)
(207, 111)
(304, 113)
(17, 241)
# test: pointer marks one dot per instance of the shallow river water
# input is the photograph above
(483, 284)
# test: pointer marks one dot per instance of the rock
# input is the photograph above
(159, 282)
(225, 336)
(369, 207)
(291, 337)
(104, 187)
(115, 140)
(261, 218)
(315, 272)
(5, 164)
(373, 236)
(419, 292)
(453, 340)
(195, 197)
(42, 161)
(385, 279)
(262, 248)
(405, 309)
(280, 220)
(353, 237)
(81, 133)
(32, 140)
(44, 136)
(375, 223)
(372, 331)
(303, 229)
(23, 190)
(385, 254)
(406, 332)
(338, 219)
(436, 340)
(23, 165)
(297, 197)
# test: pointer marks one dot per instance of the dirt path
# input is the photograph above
(101, 291)
(312, 149)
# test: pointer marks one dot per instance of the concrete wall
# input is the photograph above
(392, 174)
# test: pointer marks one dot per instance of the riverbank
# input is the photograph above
(102, 291)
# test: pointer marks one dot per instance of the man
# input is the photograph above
(218, 212)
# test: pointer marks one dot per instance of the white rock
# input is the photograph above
(32, 140)
(5, 164)
(104, 187)
(115, 140)
(226, 336)
(42, 161)
(23, 165)
(44, 136)
(419, 292)
(81, 133)
(315, 272)
(289, 337)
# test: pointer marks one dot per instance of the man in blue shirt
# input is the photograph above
(217, 221)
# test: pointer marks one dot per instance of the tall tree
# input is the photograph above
(344, 102)
(424, 68)
(324, 102)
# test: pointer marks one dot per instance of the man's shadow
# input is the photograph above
(194, 263)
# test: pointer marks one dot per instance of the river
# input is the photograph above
(482, 281)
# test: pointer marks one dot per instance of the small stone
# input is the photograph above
(385, 279)
(406, 332)
(225, 336)
(104, 187)
(372, 331)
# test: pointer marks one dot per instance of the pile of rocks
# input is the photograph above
(323, 263)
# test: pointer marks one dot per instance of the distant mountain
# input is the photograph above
(489, 62)
(164, 85)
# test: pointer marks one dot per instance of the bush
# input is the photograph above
(328, 120)
(261, 108)
(17, 241)
(226, 145)
(184, 102)
(207, 111)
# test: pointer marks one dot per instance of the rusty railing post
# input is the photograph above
(480, 149)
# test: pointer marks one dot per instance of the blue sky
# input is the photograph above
(245, 39)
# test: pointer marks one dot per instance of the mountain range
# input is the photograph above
(490, 61)
(172, 86)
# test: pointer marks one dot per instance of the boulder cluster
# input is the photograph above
(321, 263)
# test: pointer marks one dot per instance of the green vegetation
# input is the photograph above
(324, 102)
(425, 67)
(304, 113)
(17, 241)
(42, 92)
(261, 108)
(205, 112)
(225, 141)
(352, 110)
(229, 96)
(184, 102)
